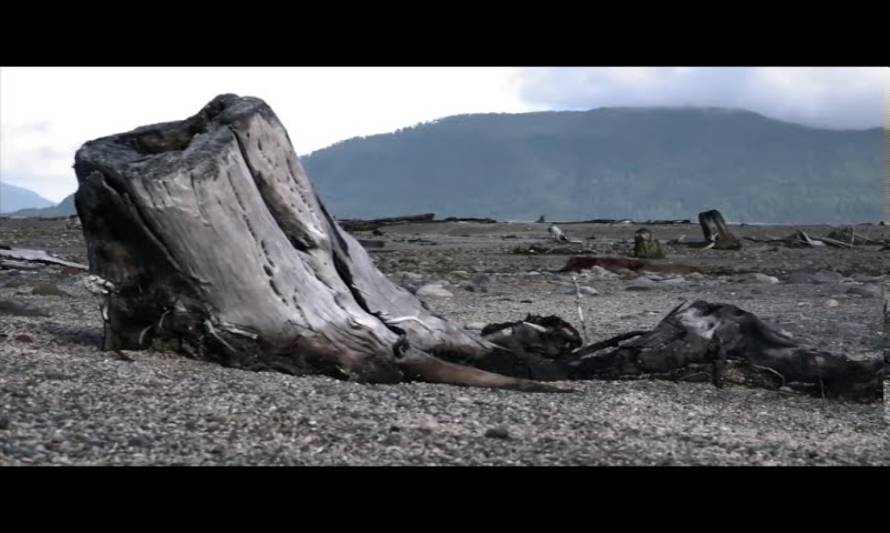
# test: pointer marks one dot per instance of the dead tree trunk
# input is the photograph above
(717, 234)
(645, 245)
(215, 243)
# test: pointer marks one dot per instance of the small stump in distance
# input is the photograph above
(717, 234)
(645, 246)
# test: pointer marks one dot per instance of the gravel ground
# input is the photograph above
(62, 401)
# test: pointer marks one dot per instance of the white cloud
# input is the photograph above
(47, 113)
(829, 97)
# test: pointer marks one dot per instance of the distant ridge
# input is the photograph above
(13, 198)
(638, 163)
(64, 209)
(610, 163)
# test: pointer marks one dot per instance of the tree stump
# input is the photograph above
(215, 243)
(717, 234)
(645, 246)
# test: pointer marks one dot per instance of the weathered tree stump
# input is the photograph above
(717, 234)
(209, 239)
(216, 244)
(645, 246)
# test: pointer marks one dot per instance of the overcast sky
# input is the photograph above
(47, 113)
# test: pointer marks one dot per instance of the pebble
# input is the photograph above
(498, 433)
(866, 291)
(433, 291)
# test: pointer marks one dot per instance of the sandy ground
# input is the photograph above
(63, 401)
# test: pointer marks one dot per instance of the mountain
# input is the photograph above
(13, 198)
(640, 163)
(65, 208)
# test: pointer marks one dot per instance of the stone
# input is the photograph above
(48, 289)
(641, 284)
(433, 291)
(9, 307)
(589, 291)
(800, 277)
(866, 291)
(832, 303)
(498, 433)
(827, 276)
(757, 277)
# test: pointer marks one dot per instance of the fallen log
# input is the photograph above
(372, 224)
(722, 341)
(617, 264)
(472, 220)
(35, 256)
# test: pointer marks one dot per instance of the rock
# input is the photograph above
(24, 338)
(412, 277)
(641, 284)
(533, 273)
(4, 422)
(827, 276)
(674, 280)
(429, 426)
(460, 273)
(139, 442)
(589, 291)
(832, 303)
(697, 276)
(433, 290)
(626, 273)
(8, 307)
(498, 433)
(757, 277)
(867, 291)
(48, 289)
(598, 272)
(800, 277)
(475, 326)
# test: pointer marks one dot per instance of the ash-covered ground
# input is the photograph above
(63, 401)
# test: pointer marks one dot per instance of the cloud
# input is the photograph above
(828, 97)
(47, 113)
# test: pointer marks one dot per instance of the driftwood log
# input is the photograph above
(698, 340)
(717, 234)
(372, 224)
(207, 238)
(13, 256)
